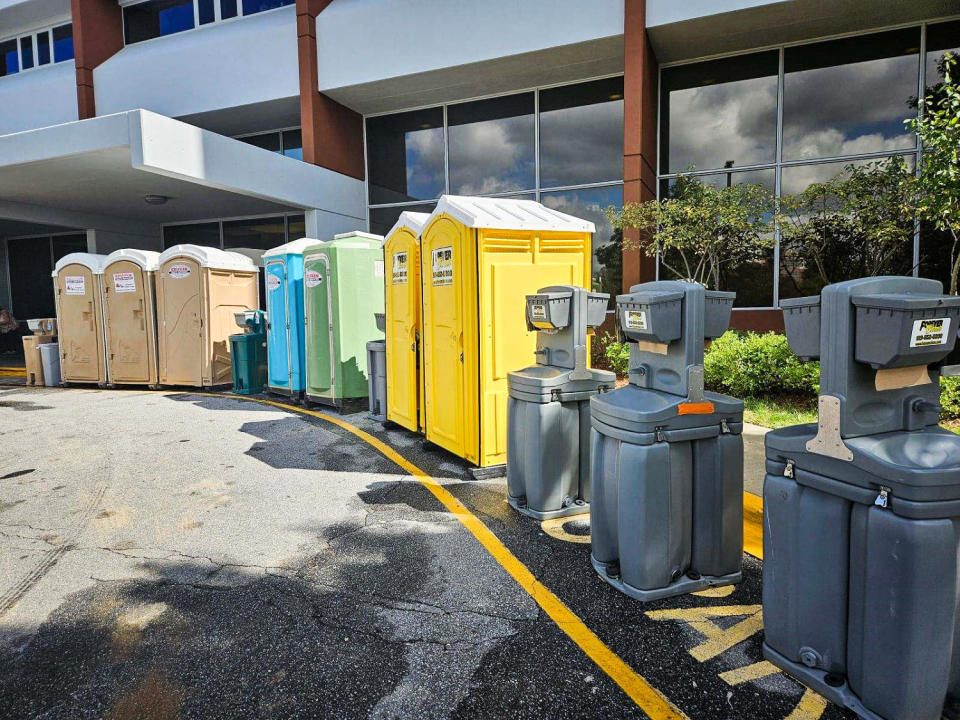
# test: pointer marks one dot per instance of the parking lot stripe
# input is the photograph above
(654, 703)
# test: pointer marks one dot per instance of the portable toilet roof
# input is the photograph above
(294, 247)
(148, 260)
(210, 257)
(358, 234)
(508, 214)
(413, 221)
(89, 260)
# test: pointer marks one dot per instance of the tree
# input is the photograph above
(936, 190)
(699, 230)
(856, 224)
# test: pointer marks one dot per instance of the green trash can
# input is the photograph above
(248, 353)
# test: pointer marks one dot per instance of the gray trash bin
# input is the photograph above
(548, 410)
(50, 359)
(377, 379)
(666, 457)
(861, 509)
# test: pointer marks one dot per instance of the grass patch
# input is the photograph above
(780, 412)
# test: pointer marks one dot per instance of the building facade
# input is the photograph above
(245, 123)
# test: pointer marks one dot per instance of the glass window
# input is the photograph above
(382, 219)
(26, 52)
(293, 144)
(9, 64)
(850, 96)
(267, 141)
(254, 6)
(228, 9)
(589, 204)
(63, 43)
(258, 233)
(405, 156)
(296, 227)
(941, 38)
(581, 133)
(43, 48)
(720, 111)
(30, 288)
(492, 145)
(66, 244)
(156, 18)
(206, 234)
(205, 12)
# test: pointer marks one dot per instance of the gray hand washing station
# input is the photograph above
(862, 509)
(666, 457)
(548, 411)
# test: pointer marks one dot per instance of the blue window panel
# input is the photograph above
(176, 18)
(293, 144)
(63, 43)
(228, 9)
(254, 6)
(205, 11)
(148, 20)
(43, 48)
(26, 52)
(9, 64)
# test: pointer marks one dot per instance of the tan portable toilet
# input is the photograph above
(76, 284)
(128, 287)
(198, 291)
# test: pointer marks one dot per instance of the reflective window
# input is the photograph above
(258, 233)
(293, 144)
(405, 156)
(65, 244)
(296, 227)
(26, 52)
(205, 11)
(228, 9)
(254, 6)
(43, 48)
(382, 219)
(850, 96)
(267, 141)
(581, 133)
(63, 43)
(206, 234)
(9, 59)
(491, 145)
(156, 18)
(941, 38)
(719, 112)
(30, 266)
(589, 204)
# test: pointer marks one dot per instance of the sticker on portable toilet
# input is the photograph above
(273, 282)
(178, 271)
(932, 331)
(124, 282)
(636, 320)
(443, 266)
(539, 312)
(378, 268)
(312, 278)
(75, 285)
(400, 268)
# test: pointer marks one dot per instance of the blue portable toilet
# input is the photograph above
(283, 274)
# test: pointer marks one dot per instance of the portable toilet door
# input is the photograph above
(198, 291)
(401, 254)
(318, 325)
(480, 258)
(129, 315)
(283, 269)
(76, 279)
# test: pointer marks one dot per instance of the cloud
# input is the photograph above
(581, 145)
(492, 156)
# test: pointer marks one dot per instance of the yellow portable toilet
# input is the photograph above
(401, 253)
(76, 282)
(128, 287)
(479, 259)
(198, 291)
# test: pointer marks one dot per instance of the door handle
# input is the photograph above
(93, 325)
(139, 311)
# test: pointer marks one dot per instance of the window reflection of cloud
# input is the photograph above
(492, 156)
(424, 157)
(581, 145)
(589, 205)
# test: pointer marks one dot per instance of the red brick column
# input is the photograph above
(639, 130)
(97, 34)
(332, 133)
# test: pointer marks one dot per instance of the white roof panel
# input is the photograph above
(294, 247)
(146, 259)
(89, 260)
(413, 221)
(357, 233)
(210, 257)
(508, 214)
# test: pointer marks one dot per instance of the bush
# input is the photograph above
(608, 354)
(950, 398)
(753, 365)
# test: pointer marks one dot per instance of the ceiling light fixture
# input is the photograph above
(155, 199)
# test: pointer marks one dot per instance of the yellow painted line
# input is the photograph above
(654, 703)
(758, 670)
(13, 373)
(810, 707)
(753, 525)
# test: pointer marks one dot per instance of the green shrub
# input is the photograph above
(608, 354)
(753, 365)
(950, 398)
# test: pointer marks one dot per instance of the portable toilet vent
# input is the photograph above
(76, 281)
(130, 316)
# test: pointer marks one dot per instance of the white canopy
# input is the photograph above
(88, 260)
(210, 257)
(508, 214)
(294, 247)
(413, 221)
(146, 259)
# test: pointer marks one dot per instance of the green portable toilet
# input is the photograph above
(342, 288)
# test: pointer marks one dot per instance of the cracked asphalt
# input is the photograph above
(170, 555)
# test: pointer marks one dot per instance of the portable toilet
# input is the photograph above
(128, 285)
(479, 259)
(198, 291)
(283, 278)
(401, 254)
(76, 280)
(343, 288)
